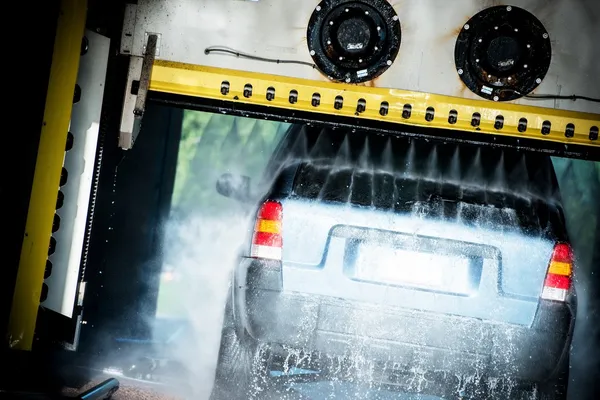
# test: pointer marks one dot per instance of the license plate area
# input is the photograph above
(422, 263)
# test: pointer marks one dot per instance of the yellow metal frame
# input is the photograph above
(206, 82)
(50, 157)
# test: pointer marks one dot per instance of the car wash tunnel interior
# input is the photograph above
(267, 199)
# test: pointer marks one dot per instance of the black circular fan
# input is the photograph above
(353, 40)
(502, 53)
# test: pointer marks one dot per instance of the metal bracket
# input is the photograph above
(146, 37)
(128, 29)
(71, 215)
(140, 70)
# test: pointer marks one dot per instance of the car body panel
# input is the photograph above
(315, 262)
(409, 338)
(442, 271)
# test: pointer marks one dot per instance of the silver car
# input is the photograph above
(385, 258)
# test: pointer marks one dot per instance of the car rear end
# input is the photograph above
(412, 261)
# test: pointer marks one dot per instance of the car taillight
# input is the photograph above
(267, 241)
(558, 278)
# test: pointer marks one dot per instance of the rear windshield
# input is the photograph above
(384, 190)
(510, 171)
(478, 185)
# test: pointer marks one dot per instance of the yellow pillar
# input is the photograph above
(51, 153)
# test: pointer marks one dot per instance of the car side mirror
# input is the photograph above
(233, 186)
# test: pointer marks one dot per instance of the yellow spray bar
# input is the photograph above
(381, 104)
(51, 153)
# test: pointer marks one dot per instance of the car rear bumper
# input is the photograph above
(399, 337)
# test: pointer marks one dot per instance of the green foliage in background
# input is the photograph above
(579, 183)
(213, 144)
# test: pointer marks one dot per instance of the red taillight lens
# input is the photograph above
(558, 278)
(562, 253)
(267, 241)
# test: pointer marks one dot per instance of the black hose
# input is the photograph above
(236, 53)
(102, 391)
